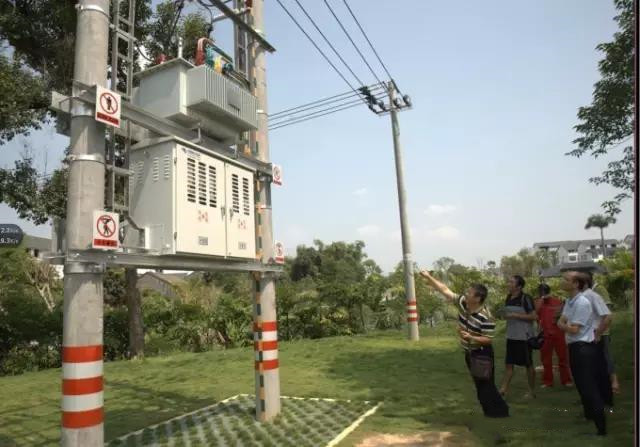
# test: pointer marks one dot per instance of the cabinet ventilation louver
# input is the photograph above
(245, 196)
(213, 197)
(202, 183)
(235, 193)
(191, 180)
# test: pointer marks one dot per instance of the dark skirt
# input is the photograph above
(493, 405)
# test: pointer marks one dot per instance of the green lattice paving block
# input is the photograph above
(302, 422)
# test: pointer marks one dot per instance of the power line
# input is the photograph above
(318, 114)
(321, 102)
(369, 41)
(284, 118)
(351, 40)
(327, 40)
(317, 47)
(307, 119)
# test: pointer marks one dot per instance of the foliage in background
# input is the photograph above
(607, 123)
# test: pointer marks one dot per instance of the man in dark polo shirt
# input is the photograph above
(520, 314)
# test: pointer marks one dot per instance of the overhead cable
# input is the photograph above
(317, 47)
(351, 40)
(369, 41)
(327, 40)
(321, 102)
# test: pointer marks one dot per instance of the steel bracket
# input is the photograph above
(96, 158)
(83, 267)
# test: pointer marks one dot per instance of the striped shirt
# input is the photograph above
(479, 323)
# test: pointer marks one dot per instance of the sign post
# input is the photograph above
(108, 107)
(279, 252)
(277, 174)
(105, 230)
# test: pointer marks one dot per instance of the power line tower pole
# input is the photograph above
(267, 373)
(409, 281)
(82, 333)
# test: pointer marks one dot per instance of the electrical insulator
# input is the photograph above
(407, 100)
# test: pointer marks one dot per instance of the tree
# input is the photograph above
(608, 122)
(602, 222)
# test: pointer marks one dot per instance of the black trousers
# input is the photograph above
(584, 359)
(604, 377)
(493, 405)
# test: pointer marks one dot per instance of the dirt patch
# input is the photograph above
(430, 439)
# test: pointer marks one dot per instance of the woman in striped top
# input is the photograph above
(475, 329)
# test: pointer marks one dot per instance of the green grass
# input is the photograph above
(424, 386)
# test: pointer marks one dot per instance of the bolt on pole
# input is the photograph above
(409, 281)
(82, 333)
(267, 373)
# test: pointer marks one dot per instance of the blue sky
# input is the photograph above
(496, 86)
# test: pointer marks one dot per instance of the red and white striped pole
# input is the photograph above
(82, 387)
(265, 333)
(412, 311)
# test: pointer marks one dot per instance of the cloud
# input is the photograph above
(368, 230)
(445, 232)
(360, 192)
(439, 210)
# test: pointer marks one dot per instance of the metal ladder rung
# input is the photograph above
(119, 171)
(125, 57)
(124, 35)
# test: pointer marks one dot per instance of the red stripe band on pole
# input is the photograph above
(413, 311)
(265, 326)
(267, 365)
(80, 354)
(82, 419)
(266, 345)
(412, 303)
(412, 319)
(74, 387)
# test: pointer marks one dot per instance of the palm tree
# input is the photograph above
(602, 222)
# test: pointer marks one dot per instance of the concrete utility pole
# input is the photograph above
(409, 282)
(82, 402)
(264, 315)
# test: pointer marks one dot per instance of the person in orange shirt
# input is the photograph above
(548, 309)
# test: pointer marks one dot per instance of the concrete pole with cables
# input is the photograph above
(409, 280)
(267, 373)
(82, 331)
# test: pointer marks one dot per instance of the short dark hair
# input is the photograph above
(588, 276)
(544, 289)
(519, 281)
(480, 291)
(578, 277)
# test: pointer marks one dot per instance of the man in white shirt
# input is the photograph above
(608, 380)
(578, 323)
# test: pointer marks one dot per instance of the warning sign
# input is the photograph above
(107, 107)
(279, 252)
(105, 230)
(276, 173)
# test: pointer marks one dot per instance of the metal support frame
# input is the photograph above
(164, 127)
(237, 20)
(173, 262)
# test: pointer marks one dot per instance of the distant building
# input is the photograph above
(629, 242)
(589, 250)
(36, 246)
(166, 284)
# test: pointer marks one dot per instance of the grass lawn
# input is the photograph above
(424, 387)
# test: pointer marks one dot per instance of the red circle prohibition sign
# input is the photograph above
(108, 103)
(106, 226)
